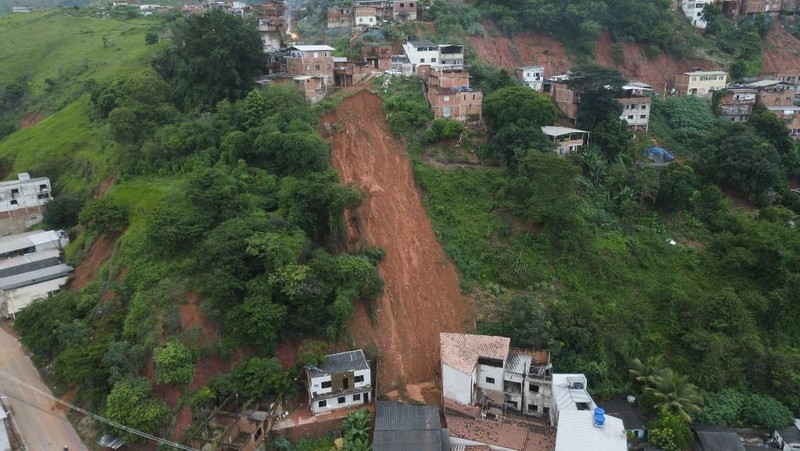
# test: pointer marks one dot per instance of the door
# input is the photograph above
(366, 398)
(346, 383)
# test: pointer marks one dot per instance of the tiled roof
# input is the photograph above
(463, 409)
(343, 362)
(461, 351)
(396, 416)
(488, 432)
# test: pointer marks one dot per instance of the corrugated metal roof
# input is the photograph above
(764, 83)
(707, 72)
(552, 130)
(565, 397)
(22, 241)
(312, 48)
(407, 440)
(718, 438)
(396, 416)
(32, 277)
(576, 432)
(518, 363)
(343, 362)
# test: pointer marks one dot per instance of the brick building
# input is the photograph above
(311, 67)
(404, 10)
(378, 56)
(450, 96)
(340, 18)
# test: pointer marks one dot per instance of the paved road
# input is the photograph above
(43, 427)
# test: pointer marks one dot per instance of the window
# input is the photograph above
(359, 379)
(15, 191)
(630, 117)
(323, 403)
(13, 202)
(42, 186)
(512, 404)
(341, 400)
(533, 408)
(534, 388)
(422, 60)
(433, 60)
(316, 54)
(357, 397)
(316, 67)
(644, 116)
(446, 98)
(490, 380)
(644, 107)
(402, 5)
(326, 384)
(546, 410)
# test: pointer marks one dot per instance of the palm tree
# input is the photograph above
(356, 426)
(673, 393)
(648, 372)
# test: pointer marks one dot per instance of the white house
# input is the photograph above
(343, 381)
(531, 76)
(693, 10)
(22, 202)
(583, 430)
(475, 367)
(366, 16)
(788, 439)
(636, 103)
(426, 53)
(567, 140)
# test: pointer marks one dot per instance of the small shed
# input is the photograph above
(630, 415)
(400, 426)
(716, 438)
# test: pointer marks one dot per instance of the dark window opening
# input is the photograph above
(534, 389)
(13, 202)
(357, 397)
(490, 380)
(359, 379)
(341, 400)
(323, 403)
(326, 384)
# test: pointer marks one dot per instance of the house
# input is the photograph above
(22, 202)
(403, 10)
(584, 430)
(631, 417)
(232, 428)
(349, 73)
(531, 76)
(753, 7)
(366, 16)
(31, 269)
(693, 10)
(635, 103)
(401, 427)
(383, 9)
(311, 67)
(378, 56)
(701, 83)
(788, 439)
(716, 438)
(737, 103)
(494, 435)
(450, 96)
(790, 115)
(478, 368)
(425, 55)
(568, 140)
(343, 381)
(564, 96)
(340, 18)
(775, 92)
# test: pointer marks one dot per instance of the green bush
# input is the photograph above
(105, 216)
(174, 364)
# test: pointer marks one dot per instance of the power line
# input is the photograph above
(113, 423)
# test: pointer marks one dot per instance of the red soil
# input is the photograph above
(782, 52)
(31, 119)
(421, 296)
(99, 253)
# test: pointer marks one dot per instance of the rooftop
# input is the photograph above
(576, 432)
(22, 241)
(791, 434)
(556, 131)
(23, 178)
(784, 108)
(630, 416)
(489, 432)
(423, 43)
(35, 276)
(463, 409)
(530, 68)
(312, 48)
(400, 426)
(569, 390)
(461, 351)
(718, 438)
(342, 362)
(765, 83)
(707, 72)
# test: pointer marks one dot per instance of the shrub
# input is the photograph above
(104, 216)
(174, 364)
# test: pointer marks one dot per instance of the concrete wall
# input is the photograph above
(333, 403)
(17, 299)
(456, 385)
(484, 372)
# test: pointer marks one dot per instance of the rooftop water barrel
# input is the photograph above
(599, 417)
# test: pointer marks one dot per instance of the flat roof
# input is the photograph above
(531, 68)
(553, 130)
(423, 43)
(791, 434)
(784, 108)
(311, 48)
(24, 181)
(21, 241)
(461, 351)
(718, 438)
(630, 416)
(765, 83)
(342, 362)
(577, 432)
(565, 395)
(34, 277)
(707, 72)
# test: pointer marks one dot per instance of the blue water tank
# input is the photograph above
(599, 417)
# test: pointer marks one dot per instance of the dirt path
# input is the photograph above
(42, 425)
(422, 296)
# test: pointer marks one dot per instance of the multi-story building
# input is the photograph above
(379, 57)
(425, 55)
(366, 16)
(531, 76)
(311, 67)
(701, 83)
(344, 380)
(383, 8)
(579, 423)
(403, 10)
(753, 7)
(564, 96)
(775, 92)
(340, 18)
(737, 103)
(450, 96)
(567, 140)
(693, 10)
(790, 115)
(22, 202)
(636, 105)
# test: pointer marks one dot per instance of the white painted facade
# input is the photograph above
(532, 77)
(343, 381)
(426, 53)
(12, 301)
(490, 380)
(457, 385)
(22, 202)
(366, 17)
(693, 10)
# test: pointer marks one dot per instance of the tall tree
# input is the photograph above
(215, 56)
(599, 88)
(674, 394)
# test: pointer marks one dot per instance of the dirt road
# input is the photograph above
(43, 427)
(422, 296)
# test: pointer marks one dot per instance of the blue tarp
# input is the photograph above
(658, 155)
